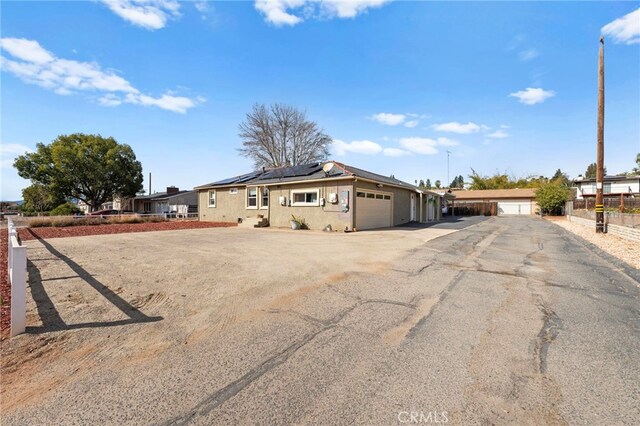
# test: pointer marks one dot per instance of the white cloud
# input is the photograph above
(531, 96)
(455, 127)
(35, 65)
(504, 126)
(498, 134)
(359, 147)
(109, 100)
(26, 50)
(529, 54)
(411, 124)
(149, 14)
(447, 142)
(395, 152)
(418, 145)
(287, 12)
(624, 30)
(9, 152)
(201, 6)
(389, 119)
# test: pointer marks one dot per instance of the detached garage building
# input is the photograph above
(329, 193)
(509, 201)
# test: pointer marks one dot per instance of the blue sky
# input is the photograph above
(504, 86)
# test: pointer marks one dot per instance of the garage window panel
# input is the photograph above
(305, 198)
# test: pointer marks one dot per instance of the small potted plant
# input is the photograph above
(297, 222)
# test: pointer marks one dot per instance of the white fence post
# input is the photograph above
(17, 257)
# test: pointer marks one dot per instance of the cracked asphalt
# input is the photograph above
(510, 321)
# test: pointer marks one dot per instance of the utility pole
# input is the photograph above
(600, 149)
(448, 181)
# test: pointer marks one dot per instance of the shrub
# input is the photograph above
(65, 209)
(551, 197)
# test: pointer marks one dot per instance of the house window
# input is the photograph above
(264, 199)
(212, 198)
(607, 188)
(233, 191)
(252, 198)
(305, 198)
(146, 206)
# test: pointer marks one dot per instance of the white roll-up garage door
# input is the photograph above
(373, 209)
(514, 207)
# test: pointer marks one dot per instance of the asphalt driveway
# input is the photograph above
(512, 320)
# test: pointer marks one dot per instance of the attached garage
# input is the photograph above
(501, 202)
(373, 209)
(511, 207)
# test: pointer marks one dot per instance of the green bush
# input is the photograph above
(65, 209)
(551, 197)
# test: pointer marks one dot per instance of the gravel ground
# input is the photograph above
(625, 250)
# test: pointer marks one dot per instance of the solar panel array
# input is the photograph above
(295, 171)
(239, 179)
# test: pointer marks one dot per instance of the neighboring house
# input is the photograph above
(510, 201)
(614, 186)
(171, 201)
(328, 193)
(84, 207)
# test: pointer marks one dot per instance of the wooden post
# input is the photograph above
(621, 203)
(600, 143)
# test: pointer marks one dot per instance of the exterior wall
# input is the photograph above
(316, 217)
(401, 202)
(617, 187)
(229, 207)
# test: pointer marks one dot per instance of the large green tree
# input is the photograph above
(561, 178)
(551, 197)
(504, 181)
(86, 167)
(590, 173)
(39, 198)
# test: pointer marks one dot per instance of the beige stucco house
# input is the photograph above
(329, 193)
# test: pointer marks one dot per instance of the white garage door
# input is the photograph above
(373, 209)
(514, 207)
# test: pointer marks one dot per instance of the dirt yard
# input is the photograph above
(121, 301)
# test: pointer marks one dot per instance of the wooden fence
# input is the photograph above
(475, 209)
(609, 202)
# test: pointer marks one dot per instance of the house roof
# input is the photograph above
(608, 178)
(495, 193)
(162, 195)
(304, 172)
